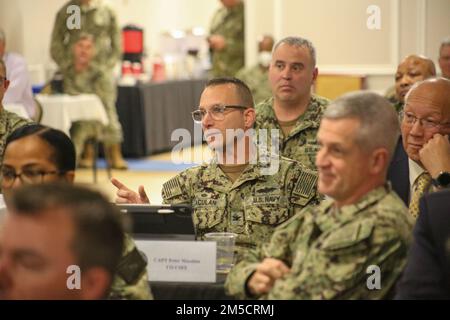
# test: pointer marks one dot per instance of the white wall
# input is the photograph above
(157, 16)
(336, 27)
(344, 44)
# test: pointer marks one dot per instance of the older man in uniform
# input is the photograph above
(338, 249)
(238, 192)
(257, 77)
(8, 121)
(412, 69)
(293, 110)
(84, 77)
(226, 40)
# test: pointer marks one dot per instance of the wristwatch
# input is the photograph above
(442, 180)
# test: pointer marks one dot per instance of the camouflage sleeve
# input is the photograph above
(230, 25)
(106, 90)
(279, 247)
(58, 49)
(337, 266)
(236, 282)
(116, 41)
(18, 122)
(234, 35)
(15, 121)
(177, 189)
(131, 279)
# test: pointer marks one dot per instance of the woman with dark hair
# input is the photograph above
(37, 154)
(40, 154)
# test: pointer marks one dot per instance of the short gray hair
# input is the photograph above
(379, 125)
(299, 43)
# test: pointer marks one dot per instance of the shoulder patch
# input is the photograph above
(306, 184)
(131, 266)
(172, 188)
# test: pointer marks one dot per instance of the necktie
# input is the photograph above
(422, 183)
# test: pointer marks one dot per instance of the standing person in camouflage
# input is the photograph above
(330, 251)
(226, 40)
(9, 121)
(412, 69)
(293, 110)
(257, 77)
(84, 77)
(96, 19)
(236, 192)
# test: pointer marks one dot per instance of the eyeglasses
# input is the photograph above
(27, 176)
(216, 112)
(410, 119)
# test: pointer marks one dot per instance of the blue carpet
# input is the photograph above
(149, 165)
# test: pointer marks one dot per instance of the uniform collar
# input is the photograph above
(331, 217)
(216, 179)
(306, 120)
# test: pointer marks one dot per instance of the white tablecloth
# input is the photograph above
(59, 111)
(17, 108)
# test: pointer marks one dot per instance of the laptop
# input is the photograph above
(159, 222)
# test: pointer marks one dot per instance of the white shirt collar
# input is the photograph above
(415, 170)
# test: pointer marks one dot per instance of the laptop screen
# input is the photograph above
(165, 222)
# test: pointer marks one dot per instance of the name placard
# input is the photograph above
(179, 261)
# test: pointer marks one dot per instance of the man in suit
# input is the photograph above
(421, 162)
(427, 274)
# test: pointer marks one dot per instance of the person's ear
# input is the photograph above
(95, 283)
(378, 161)
(6, 84)
(315, 74)
(249, 118)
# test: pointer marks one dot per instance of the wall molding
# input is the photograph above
(373, 69)
(250, 32)
(421, 27)
(395, 36)
(379, 70)
(278, 19)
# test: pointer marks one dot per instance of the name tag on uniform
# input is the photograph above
(179, 261)
(266, 199)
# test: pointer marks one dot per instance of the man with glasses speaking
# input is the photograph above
(237, 192)
(421, 162)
